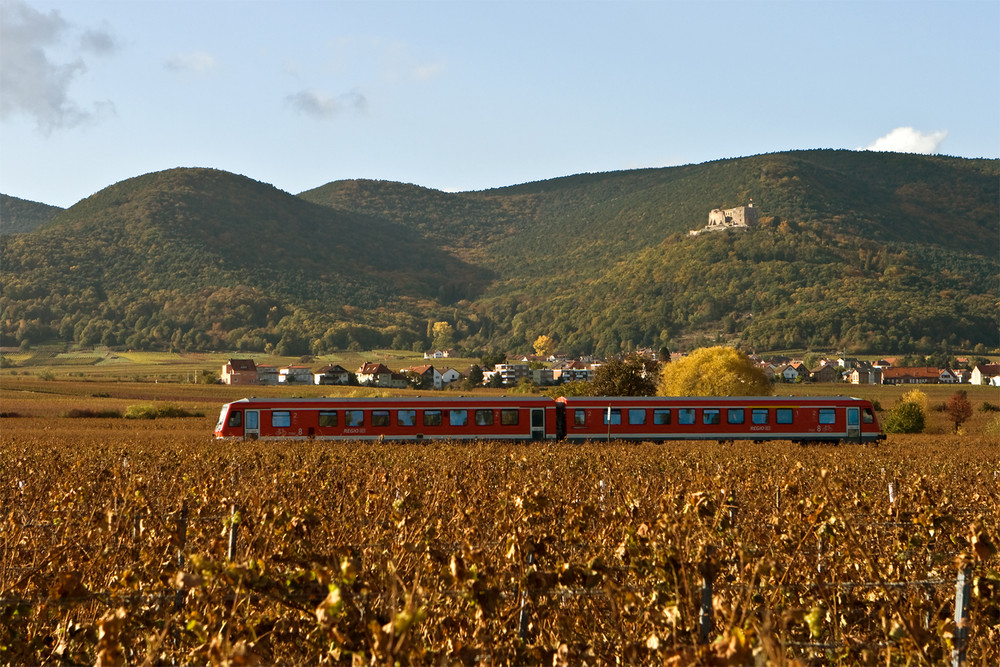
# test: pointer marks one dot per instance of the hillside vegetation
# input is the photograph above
(19, 216)
(860, 251)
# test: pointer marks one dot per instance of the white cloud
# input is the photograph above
(322, 105)
(31, 82)
(197, 62)
(909, 140)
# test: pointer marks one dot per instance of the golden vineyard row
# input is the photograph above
(129, 544)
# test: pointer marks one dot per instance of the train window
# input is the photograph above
(616, 415)
(637, 416)
(354, 418)
(458, 417)
(236, 418)
(380, 417)
(783, 415)
(685, 416)
(432, 417)
(327, 417)
(867, 416)
(736, 415)
(758, 415)
(484, 418)
(710, 416)
(281, 419)
(579, 418)
(827, 416)
(661, 416)
(509, 417)
(406, 417)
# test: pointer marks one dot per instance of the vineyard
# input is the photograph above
(135, 543)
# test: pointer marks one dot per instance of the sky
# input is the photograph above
(478, 94)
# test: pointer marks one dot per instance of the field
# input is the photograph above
(127, 541)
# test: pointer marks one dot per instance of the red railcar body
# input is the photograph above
(800, 419)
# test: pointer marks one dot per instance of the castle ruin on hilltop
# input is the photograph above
(741, 217)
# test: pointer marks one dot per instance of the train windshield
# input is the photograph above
(222, 418)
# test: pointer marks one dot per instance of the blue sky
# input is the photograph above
(476, 94)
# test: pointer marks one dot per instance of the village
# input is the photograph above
(553, 370)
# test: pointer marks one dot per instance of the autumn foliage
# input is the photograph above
(713, 371)
(117, 551)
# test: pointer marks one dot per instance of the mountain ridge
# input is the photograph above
(843, 237)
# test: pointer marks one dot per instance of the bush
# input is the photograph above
(904, 417)
(86, 413)
(154, 412)
(986, 406)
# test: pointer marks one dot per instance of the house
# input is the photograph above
(824, 373)
(913, 375)
(375, 374)
(512, 374)
(543, 377)
(986, 374)
(332, 374)
(848, 363)
(574, 371)
(239, 371)
(295, 375)
(865, 373)
(431, 376)
(449, 375)
(437, 354)
(267, 375)
(792, 372)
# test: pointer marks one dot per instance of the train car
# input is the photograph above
(759, 418)
(399, 418)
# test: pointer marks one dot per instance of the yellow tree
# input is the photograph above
(544, 346)
(444, 335)
(713, 371)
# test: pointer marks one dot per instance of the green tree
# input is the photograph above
(904, 417)
(443, 334)
(635, 375)
(713, 371)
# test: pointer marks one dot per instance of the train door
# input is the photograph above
(537, 423)
(251, 424)
(854, 423)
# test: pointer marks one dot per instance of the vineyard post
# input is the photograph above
(707, 580)
(892, 492)
(181, 543)
(233, 533)
(524, 618)
(963, 589)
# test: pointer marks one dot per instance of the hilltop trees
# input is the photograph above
(635, 375)
(713, 371)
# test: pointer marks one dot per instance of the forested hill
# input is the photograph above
(859, 251)
(18, 216)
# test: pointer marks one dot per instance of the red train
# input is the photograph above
(800, 419)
